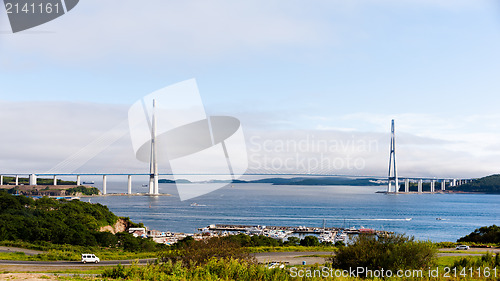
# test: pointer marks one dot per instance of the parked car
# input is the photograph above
(275, 265)
(90, 258)
(462, 247)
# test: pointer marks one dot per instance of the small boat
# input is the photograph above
(145, 185)
(408, 219)
(88, 182)
(439, 219)
(196, 205)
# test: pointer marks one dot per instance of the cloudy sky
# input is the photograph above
(329, 75)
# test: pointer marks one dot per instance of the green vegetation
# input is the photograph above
(219, 259)
(40, 181)
(485, 234)
(309, 241)
(72, 252)
(214, 269)
(393, 252)
(268, 249)
(46, 219)
(243, 240)
(64, 228)
(262, 242)
(195, 253)
(489, 184)
(82, 190)
(486, 260)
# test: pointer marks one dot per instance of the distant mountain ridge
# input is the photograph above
(300, 181)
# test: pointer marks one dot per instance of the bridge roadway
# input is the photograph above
(33, 178)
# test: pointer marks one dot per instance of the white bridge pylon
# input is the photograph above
(392, 163)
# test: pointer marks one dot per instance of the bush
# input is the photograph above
(393, 252)
(244, 240)
(214, 269)
(195, 253)
(309, 241)
(486, 260)
(446, 244)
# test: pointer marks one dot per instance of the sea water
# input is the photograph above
(294, 205)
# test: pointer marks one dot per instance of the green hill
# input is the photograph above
(489, 184)
(63, 222)
(486, 234)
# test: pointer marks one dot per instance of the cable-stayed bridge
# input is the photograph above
(436, 184)
(393, 180)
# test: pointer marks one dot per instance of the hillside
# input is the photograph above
(45, 219)
(65, 222)
(485, 234)
(489, 184)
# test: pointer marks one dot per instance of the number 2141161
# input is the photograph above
(40, 8)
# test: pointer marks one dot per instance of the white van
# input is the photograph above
(90, 258)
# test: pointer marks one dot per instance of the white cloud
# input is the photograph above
(37, 136)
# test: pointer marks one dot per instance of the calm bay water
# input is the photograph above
(266, 204)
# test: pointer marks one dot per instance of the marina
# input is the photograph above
(324, 234)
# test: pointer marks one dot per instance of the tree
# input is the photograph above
(292, 241)
(485, 234)
(393, 252)
(309, 241)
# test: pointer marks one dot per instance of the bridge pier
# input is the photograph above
(17, 180)
(420, 186)
(1, 180)
(104, 191)
(32, 179)
(129, 184)
(443, 185)
(433, 186)
(78, 182)
(55, 180)
(407, 185)
(454, 182)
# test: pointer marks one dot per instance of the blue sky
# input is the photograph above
(287, 66)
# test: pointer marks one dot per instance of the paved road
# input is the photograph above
(492, 250)
(293, 258)
(71, 263)
(296, 258)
